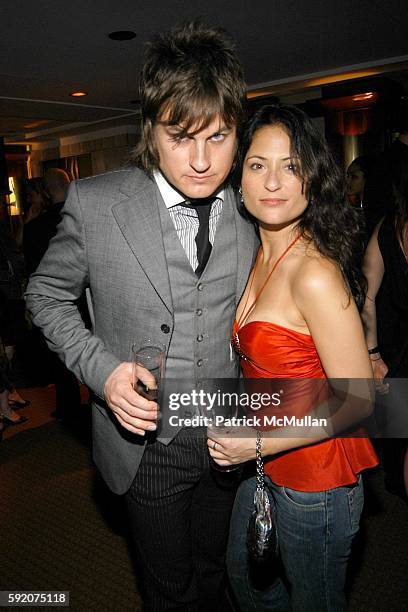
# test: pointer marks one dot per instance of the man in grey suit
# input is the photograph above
(164, 253)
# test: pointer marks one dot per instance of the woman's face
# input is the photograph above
(355, 180)
(271, 190)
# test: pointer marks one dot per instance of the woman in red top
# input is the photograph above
(298, 319)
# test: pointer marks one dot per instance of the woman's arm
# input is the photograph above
(373, 269)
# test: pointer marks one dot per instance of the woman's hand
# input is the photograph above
(231, 450)
(380, 370)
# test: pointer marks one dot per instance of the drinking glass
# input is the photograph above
(152, 356)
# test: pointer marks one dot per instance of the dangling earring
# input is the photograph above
(241, 197)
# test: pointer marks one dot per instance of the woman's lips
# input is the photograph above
(272, 201)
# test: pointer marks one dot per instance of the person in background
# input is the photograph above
(356, 179)
(12, 307)
(379, 196)
(38, 233)
(298, 319)
(360, 178)
(165, 254)
(56, 182)
(26, 236)
(385, 317)
(398, 151)
(37, 198)
(8, 416)
(37, 236)
(386, 163)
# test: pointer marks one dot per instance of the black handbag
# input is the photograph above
(262, 535)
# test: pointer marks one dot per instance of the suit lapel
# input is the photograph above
(138, 218)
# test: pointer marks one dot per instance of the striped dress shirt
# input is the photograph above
(185, 220)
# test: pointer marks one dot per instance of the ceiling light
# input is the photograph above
(350, 103)
(122, 35)
(35, 124)
(364, 96)
(78, 94)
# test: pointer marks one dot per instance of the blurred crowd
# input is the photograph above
(23, 351)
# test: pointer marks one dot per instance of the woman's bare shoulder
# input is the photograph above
(316, 275)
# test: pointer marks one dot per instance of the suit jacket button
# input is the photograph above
(165, 328)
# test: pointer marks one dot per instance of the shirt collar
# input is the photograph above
(171, 196)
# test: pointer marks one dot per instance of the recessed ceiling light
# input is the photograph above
(122, 35)
(78, 94)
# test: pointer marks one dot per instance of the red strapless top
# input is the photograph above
(268, 350)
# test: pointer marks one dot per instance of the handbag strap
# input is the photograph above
(260, 473)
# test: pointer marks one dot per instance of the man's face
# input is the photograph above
(195, 164)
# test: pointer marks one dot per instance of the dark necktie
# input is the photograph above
(202, 240)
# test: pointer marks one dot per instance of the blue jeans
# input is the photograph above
(315, 533)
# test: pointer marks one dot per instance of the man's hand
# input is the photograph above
(134, 412)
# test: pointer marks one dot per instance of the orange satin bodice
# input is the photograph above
(268, 350)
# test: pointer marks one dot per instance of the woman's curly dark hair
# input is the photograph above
(329, 221)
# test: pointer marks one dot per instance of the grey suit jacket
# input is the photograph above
(110, 241)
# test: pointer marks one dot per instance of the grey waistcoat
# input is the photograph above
(204, 307)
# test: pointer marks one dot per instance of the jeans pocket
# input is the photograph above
(304, 499)
(355, 497)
